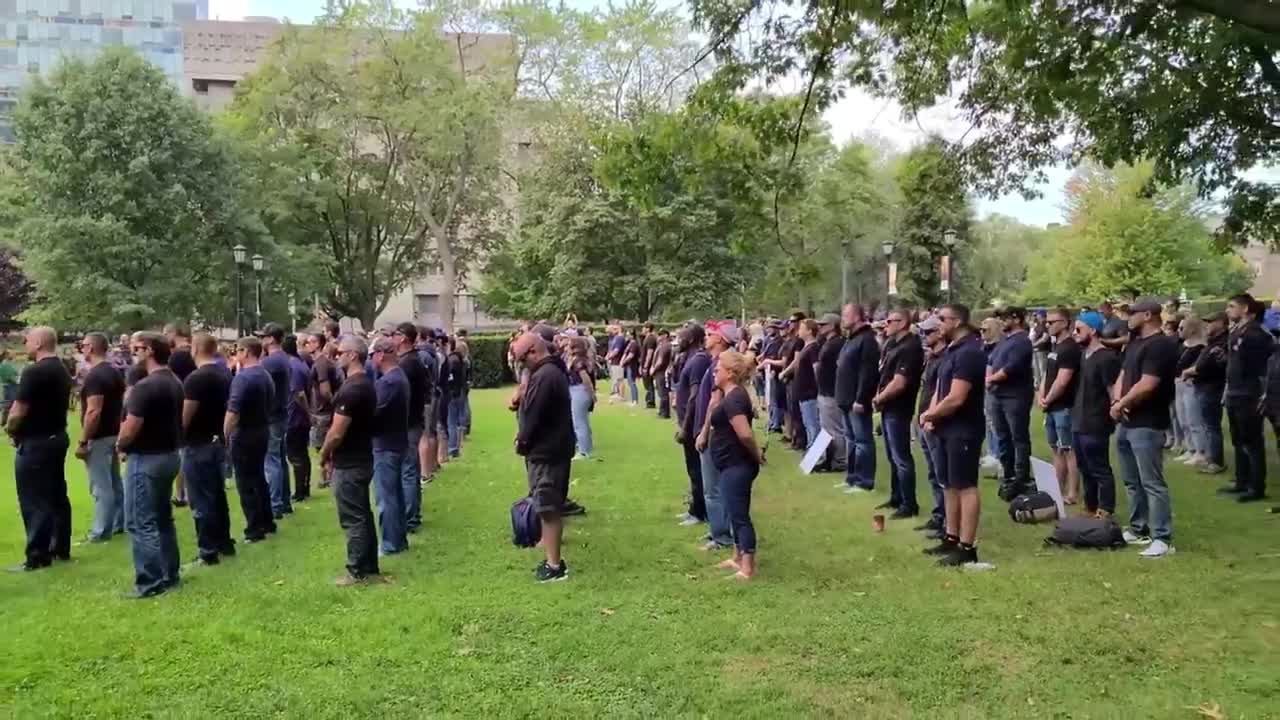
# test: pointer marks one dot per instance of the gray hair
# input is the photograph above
(385, 345)
(355, 344)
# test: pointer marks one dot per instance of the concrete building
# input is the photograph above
(218, 54)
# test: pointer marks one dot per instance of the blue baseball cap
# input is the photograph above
(1093, 319)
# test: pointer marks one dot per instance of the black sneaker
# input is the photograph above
(1251, 497)
(572, 508)
(943, 548)
(254, 539)
(886, 506)
(901, 514)
(932, 524)
(935, 534)
(959, 556)
(1231, 490)
(545, 573)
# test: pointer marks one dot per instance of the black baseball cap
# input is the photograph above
(272, 330)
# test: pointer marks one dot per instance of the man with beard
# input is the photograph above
(1011, 381)
(204, 408)
(276, 364)
(1141, 407)
(348, 448)
(101, 409)
(150, 437)
(830, 418)
(693, 367)
(955, 420)
(247, 428)
(857, 375)
(1056, 396)
(900, 370)
(545, 440)
(1091, 423)
(1249, 349)
(38, 425)
(934, 344)
(390, 445)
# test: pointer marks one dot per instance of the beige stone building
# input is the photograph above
(218, 54)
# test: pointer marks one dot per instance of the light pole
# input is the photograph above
(259, 263)
(844, 272)
(887, 248)
(949, 239)
(238, 254)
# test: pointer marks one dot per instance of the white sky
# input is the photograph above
(855, 115)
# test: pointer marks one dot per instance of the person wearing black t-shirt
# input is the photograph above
(631, 365)
(955, 418)
(247, 428)
(348, 448)
(829, 416)
(901, 365)
(325, 380)
(1209, 376)
(1249, 349)
(276, 364)
(694, 366)
(420, 389)
(648, 350)
(1141, 408)
(658, 368)
(390, 445)
(1091, 423)
(803, 384)
(737, 457)
(150, 437)
(204, 408)
(1115, 332)
(1056, 396)
(582, 393)
(182, 363)
(101, 409)
(297, 432)
(934, 345)
(1011, 381)
(455, 377)
(38, 425)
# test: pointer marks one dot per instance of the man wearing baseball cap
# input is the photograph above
(1209, 378)
(830, 418)
(1091, 423)
(1142, 410)
(276, 363)
(1011, 381)
(721, 336)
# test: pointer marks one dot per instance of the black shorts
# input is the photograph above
(548, 485)
(956, 461)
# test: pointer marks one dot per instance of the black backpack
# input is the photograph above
(1033, 508)
(526, 526)
(1087, 532)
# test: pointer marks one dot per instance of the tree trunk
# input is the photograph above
(448, 277)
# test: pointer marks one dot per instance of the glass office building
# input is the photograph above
(36, 34)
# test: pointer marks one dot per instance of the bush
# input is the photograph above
(489, 361)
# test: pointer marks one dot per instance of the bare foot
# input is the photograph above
(729, 564)
(741, 576)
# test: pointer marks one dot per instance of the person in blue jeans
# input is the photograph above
(902, 363)
(582, 395)
(1209, 378)
(204, 410)
(736, 456)
(1091, 423)
(857, 376)
(1142, 411)
(150, 436)
(720, 337)
(802, 380)
(390, 443)
(101, 409)
(276, 465)
(934, 345)
(631, 366)
(1012, 382)
(1058, 392)
(455, 398)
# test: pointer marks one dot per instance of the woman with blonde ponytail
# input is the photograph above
(736, 454)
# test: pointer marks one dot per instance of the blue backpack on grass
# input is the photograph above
(526, 526)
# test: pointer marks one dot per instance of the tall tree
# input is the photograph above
(934, 200)
(1191, 84)
(129, 205)
(16, 289)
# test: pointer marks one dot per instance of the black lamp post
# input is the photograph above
(238, 254)
(844, 272)
(949, 239)
(259, 263)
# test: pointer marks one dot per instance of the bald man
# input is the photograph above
(38, 424)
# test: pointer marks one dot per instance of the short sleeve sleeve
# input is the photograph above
(971, 367)
(1160, 359)
(1070, 359)
(137, 402)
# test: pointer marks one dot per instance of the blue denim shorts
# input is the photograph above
(1057, 429)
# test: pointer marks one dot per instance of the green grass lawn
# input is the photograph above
(840, 622)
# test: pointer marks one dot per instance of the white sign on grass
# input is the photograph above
(1047, 482)
(815, 452)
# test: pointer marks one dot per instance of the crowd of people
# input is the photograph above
(385, 411)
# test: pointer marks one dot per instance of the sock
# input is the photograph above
(968, 547)
(951, 539)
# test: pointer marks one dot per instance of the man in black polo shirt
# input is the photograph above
(203, 411)
(658, 368)
(38, 424)
(276, 363)
(1012, 383)
(101, 409)
(1091, 423)
(857, 375)
(348, 448)
(420, 388)
(325, 380)
(931, 333)
(150, 437)
(955, 418)
(648, 350)
(1249, 349)
(247, 428)
(182, 363)
(901, 365)
(1142, 410)
(1056, 396)
(1115, 331)
(829, 416)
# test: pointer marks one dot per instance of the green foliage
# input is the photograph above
(488, 354)
(1120, 243)
(934, 199)
(1191, 84)
(993, 265)
(122, 185)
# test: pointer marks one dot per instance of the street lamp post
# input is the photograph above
(844, 272)
(949, 239)
(259, 263)
(887, 248)
(238, 254)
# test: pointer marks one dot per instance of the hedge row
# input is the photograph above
(489, 361)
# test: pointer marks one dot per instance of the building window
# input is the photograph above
(200, 86)
(428, 305)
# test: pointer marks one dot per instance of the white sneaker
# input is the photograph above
(690, 521)
(1157, 549)
(1132, 539)
(990, 461)
(1183, 458)
(840, 485)
(855, 490)
(581, 456)
(1198, 461)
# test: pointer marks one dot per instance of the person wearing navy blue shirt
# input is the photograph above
(857, 375)
(276, 363)
(204, 408)
(720, 336)
(298, 420)
(247, 427)
(900, 375)
(390, 442)
(421, 386)
(1011, 381)
(1249, 349)
(955, 420)
(693, 368)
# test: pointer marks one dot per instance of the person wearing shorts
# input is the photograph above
(1057, 394)
(955, 418)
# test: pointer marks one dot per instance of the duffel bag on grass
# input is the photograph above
(1087, 532)
(1033, 508)
(526, 526)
